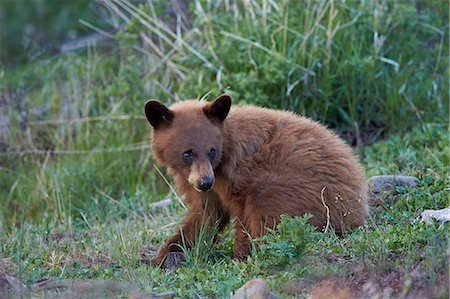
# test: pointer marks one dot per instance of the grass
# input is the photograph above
(109, 247)
(319, 59)
(77, 179)
(356, 66)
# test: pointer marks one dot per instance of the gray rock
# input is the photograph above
(381, 184)
(161, 204)
(86, 41)
(441, 216)
(10, 284)
(254, 289)
(166, 295)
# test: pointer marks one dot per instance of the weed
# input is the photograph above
(291, 240)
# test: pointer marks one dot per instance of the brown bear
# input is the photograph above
(252, 165)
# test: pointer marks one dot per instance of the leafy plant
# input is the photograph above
(292, 239)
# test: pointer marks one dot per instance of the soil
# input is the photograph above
(367, 282)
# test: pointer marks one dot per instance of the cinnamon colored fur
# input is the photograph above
(254, 165)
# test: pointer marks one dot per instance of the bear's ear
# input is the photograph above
(218, 110)
(157, 114)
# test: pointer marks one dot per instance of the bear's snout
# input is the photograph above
(205, 183)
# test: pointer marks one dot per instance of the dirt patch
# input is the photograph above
(87, 262)
(11, 287)
(366, 282)
(65, 236)
(147, 252)
(328, 289)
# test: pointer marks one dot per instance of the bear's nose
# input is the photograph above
(205, 183)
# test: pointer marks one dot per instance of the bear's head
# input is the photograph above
(188, 137)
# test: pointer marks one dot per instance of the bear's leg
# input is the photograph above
(201, 211)
(246, 228)
(186, 234)
(242, 244)
(251, 226)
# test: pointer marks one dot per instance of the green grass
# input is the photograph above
(108, 245)
(317, 59)
(77, 177)
(369, 67)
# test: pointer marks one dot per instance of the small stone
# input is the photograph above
(441, 216)
(161, 204)
(254, 289)
(166, 295)
(10, 283)
(173, 260)
(386, 183)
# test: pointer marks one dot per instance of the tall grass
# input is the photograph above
(363, 67)
(393, 241)
(88, 141)
(77, 137)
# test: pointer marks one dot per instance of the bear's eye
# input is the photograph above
(187, 155)
(212, 154)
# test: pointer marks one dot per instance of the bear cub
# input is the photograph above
(251, 165)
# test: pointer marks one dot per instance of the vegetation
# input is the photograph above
(77, 179)
(34, 29)
(110, 246)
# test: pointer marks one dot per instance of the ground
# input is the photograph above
(393, 254)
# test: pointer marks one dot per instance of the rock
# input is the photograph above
(161, 204)
(167, 295)
(254, 289)
(86, 41)
(10, 283)
(46, 284)
(173, 260)
(441, 216)
(380, 184)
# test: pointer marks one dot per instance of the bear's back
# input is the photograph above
(294, 160)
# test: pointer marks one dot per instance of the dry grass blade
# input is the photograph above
(76, 152)
(326, 207)
(159, 29)
(86, 119)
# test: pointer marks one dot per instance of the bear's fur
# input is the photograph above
(253, 164)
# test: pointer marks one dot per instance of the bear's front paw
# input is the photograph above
(242, 257)
(158, 259)
(171, 260)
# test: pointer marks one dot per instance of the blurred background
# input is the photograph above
(33, 30)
